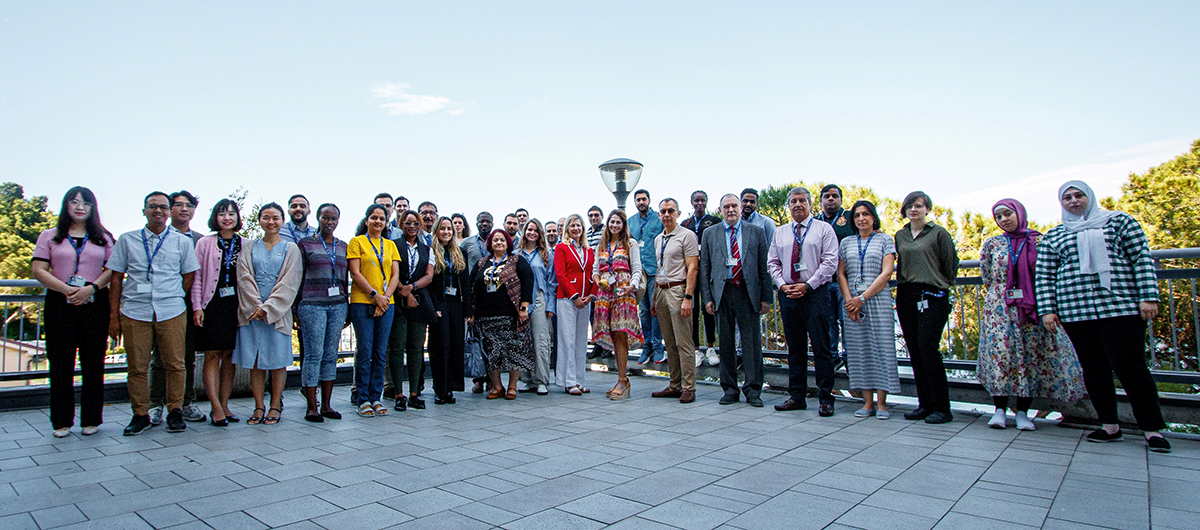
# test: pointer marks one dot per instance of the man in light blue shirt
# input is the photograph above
(644, 226)
(750, 213)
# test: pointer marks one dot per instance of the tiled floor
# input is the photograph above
(587, 462)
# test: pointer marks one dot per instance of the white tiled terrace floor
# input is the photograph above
(587, 462)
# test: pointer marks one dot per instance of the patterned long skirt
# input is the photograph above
(616, 313)
(507, 349)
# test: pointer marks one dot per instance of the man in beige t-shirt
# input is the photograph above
(678, 252)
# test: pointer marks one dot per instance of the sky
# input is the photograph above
(499, 105)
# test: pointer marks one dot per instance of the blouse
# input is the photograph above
(65, 261)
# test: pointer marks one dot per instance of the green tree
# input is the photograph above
(21, 220)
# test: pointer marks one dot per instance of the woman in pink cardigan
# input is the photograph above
(215, 304)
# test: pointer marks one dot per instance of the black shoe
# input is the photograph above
(791, 404)
(825, 410)
(219, 423)
(401, 405)
(449, 398)
(389, 393)
(728, 399)
(175, 421)
(754, 401)
(939, 417)
(137, 425)
(416, 402)
(1100, 436)
(1158, 444)
(918, 414)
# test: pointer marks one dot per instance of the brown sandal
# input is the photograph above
(512, 394)
(496, 393)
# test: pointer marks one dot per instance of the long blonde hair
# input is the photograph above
(566, 232)
(438, 251)
(622, 238)
(541, 244)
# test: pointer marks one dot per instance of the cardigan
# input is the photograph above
(279, 305)
(208, 253)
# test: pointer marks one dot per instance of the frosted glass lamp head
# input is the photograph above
(621, 175)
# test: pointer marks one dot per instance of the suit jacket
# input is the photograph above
(714, 253)
(574, 278)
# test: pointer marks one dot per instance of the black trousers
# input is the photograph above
(806, 319)
(710, 323)
(447, 338)
(737, 315)
(71, 329)
(922, 330)
(1117, 345)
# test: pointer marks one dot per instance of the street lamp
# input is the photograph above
(620, 175)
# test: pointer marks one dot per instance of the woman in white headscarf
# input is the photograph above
(1094, 276)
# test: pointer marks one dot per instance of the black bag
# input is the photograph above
(474, 358)
(424, 313)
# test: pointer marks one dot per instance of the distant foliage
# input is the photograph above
(21, 220)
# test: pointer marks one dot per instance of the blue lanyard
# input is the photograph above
(1016, 253)
(479, 243)
(802, 237)
(862, 255)
(332, 254)
(78, 250)
(663, 252)
(834, 217)
(226, 256)
(150, 257)
(379, 255)
(292, 233)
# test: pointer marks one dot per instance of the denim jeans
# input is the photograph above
(370, 357)
(323, 326)
(653, 336)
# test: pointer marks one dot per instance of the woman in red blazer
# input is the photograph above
(573, 262)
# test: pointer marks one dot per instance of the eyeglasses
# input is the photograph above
(75, 203)
(667, 211)
(183, 205)
(411, 223)
(160, 207)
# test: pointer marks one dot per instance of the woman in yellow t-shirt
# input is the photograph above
(374, 263)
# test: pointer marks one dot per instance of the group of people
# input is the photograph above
(1063, 311)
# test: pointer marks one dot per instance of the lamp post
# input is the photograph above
(621, 175)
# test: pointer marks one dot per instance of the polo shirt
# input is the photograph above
(671, 251)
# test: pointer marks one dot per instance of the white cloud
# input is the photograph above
(1105, 175)
(399, 101)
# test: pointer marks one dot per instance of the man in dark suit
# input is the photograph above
(698, 222)
(735, 283)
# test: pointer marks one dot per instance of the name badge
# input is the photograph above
(451, 291)
(922, 305)
(335, 291)
(76, 281)
(800, 267)
(1014, 294)
(227, 291)
(731, 262)
(493, 288)
(144, 288)
(862, 287)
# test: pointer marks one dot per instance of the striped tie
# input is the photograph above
(736, 273)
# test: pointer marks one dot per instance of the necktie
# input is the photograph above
(736, 273)
(796, 255)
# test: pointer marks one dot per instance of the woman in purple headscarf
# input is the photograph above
(1018, 357)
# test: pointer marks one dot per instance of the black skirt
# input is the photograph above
(220, 325)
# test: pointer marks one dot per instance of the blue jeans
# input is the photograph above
(370, 357)
(650, 331)
(322, 324)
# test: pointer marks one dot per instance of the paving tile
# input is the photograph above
(1018, 473)
(802, 511)
(446, 520)
(936, 479)
(488, 514)
(1172, 518)
(366, 517)
(901, 501)
(962, 521)
(1001, 506)
(552, 520)
(1101, 508)
(291, 511)
(544, 495)
(58, 516)
(661, 486)
(425, 502)
(126, 521)
(604, 508)
(688, 515)
(863, 516)
(164, 516)
(358, 494)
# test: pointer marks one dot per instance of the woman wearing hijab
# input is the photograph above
(1017, 357)
(1096, 279)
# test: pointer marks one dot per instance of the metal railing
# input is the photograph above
(1172, 344)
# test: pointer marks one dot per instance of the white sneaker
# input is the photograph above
(192, 413)
(62, 433)
(699, 358)
(999, 420)
(1024, 423)
(88, 431)
(542, 390)
(713, 358)
(156, 416)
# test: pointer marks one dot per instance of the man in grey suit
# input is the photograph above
(736, 286)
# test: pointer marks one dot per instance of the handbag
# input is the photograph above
(474, 358)
(424, 312)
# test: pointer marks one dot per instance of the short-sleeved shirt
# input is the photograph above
(366, 251)
(176, 257)
(63, 259)
(671, 250)
(644, 230)
(321, 272)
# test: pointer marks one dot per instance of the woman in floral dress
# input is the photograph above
(618, 273)
(1017, 356)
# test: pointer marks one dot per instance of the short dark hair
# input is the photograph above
(222, 205)
(660, 203)
(270, 205)
(480, 215)
(641, 191)
(191, 198)
(146, 200)
(521, 210)
(329, 205)
(870, 209)
(513, 215)
(401, 198)
(701, 192)
(828, 187)
(595, 208)
(748, 190)
(912, 198)
(426, 203)
(293, 197)
(384, 195)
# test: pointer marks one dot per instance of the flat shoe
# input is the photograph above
(224, 422)
(232, 418)
(496, 393)
(315, 418)
(272, 421)
(255, 419)
(512, 394)
(62, 433)
(575, 391)
(332, 414)
(864, 413)
(882, 414)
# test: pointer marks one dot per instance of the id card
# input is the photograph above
(144, 288)
(227, 291)
(800, 267)
(1014, 294)
(922, 305)
(76, 281)
(862, 287)
(452, 291)
(335, 291)
(731, 262)
(493, 288)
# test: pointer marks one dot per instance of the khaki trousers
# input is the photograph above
(140, 338)
(677, 337)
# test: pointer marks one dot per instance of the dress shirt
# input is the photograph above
(672, 251)
(176, 257)
(820, 253)
(737, 229)
(545, 282)
(644, 230)
(764, 222)
(294, 233)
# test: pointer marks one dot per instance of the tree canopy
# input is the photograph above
(21, 220)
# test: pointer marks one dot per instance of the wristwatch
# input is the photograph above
(687, 297)
(373, 293)
(861, 299)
